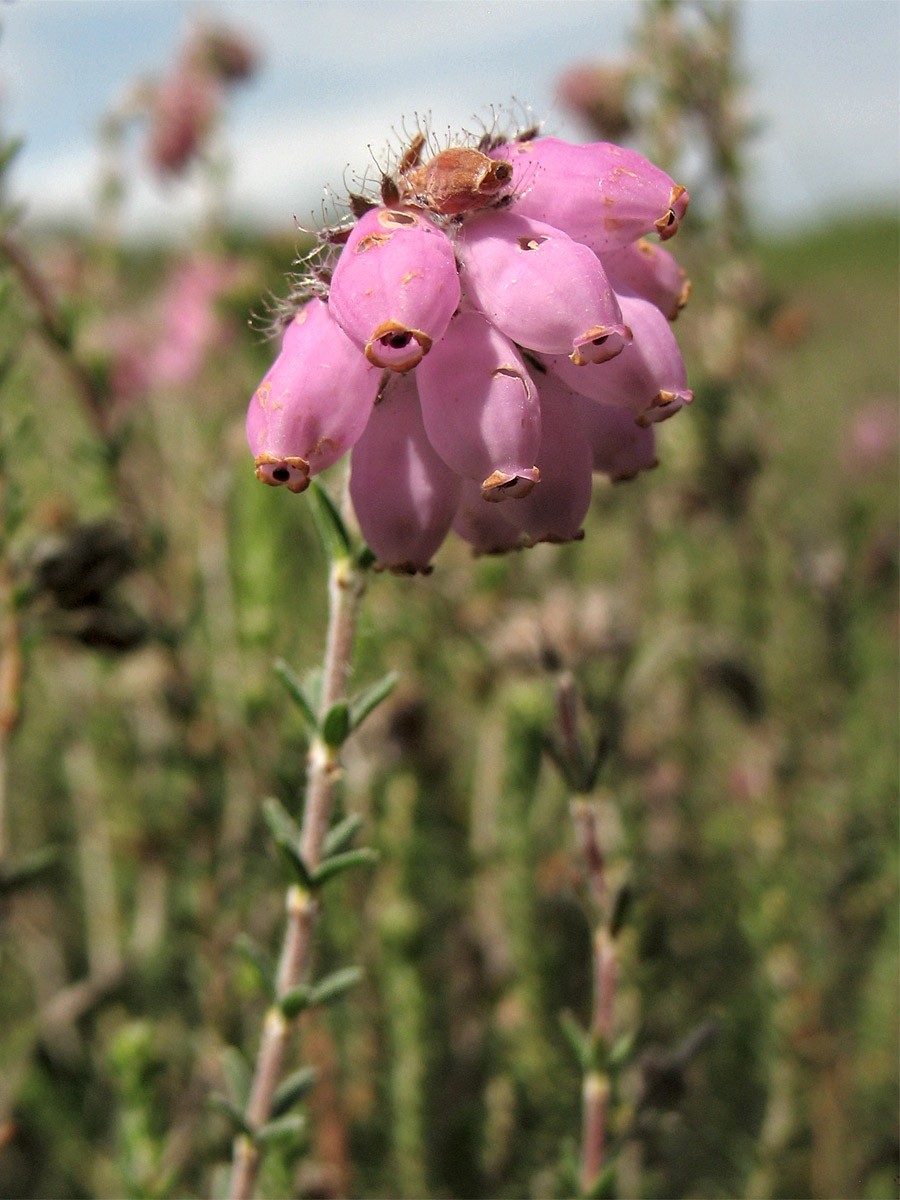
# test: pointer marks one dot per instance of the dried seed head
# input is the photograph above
(455, 181)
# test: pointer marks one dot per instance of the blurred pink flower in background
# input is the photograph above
(191, 325)
(184, 106)
(872, 436)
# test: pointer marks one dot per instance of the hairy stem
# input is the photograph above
(345, 590)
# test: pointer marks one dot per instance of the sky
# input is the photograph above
(337, 76)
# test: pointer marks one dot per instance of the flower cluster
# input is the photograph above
(488, 335)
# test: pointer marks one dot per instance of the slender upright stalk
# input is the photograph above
(345, 590)
(596, 1087)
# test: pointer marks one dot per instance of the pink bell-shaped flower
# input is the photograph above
(600, 194)
(650, 270)
(648, 377)
(395, 286)
(481, 524)
(539, 287)
(403, 493)
(621, 447)
(313, 403)
(481, 408)
(555, 509)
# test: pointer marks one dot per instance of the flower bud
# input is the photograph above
(395, 286)
(651, 271)
(403, 493)
(600, 194)
(313, 403)
(648, 377)
(481, 408)
(539, 287)
(554, 510)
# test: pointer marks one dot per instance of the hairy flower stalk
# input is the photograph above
(519, 288)
(345, 591)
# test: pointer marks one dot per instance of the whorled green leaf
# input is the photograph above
(338, 863)
(621, 909)
(293, 861)
(281, 824)
(329, 523)
(290, 1126)
(577, 1038)
(341, 835)
(238, 1077)
(622, 1049)
(223, 1105)
(294, 1001)
(298, 693)
(366, 558)
(334, 985)
(370, 698)
(336, 725)
(286, 834)
(604, 1186)
(292, 1089)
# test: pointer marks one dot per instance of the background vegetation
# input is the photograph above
(730, 624)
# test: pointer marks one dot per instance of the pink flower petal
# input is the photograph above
(313, 403)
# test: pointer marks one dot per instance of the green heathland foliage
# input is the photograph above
(730, 620)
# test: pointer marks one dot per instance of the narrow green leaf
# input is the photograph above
(237, 1077)
(334, 985)
(290, 1126)
(281, 824)
(223, 1105)
(297, 692)
(366, 701)
(297, 868)
(292, 1089)
(338, 863)
(604, 1186)
(599, 1050)
(258, 960)
(341, 835)
(329, 523)
(336, 726)
(621, 909)
(577, 1038)
(622, 1049)
(286, 834)
(295, 1000)
(366, 559)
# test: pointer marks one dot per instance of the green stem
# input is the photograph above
(346, 586)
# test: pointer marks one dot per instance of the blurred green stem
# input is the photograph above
(53, 326)
(596, 1086)
(346, 586)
